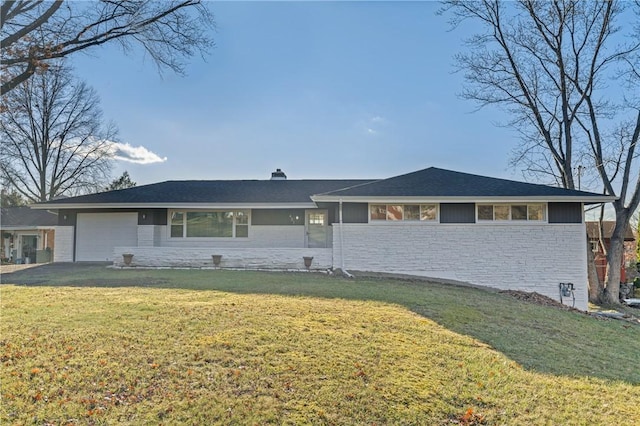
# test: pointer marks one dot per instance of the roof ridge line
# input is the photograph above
(350, 187)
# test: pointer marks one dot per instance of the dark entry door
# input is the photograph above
(29, 246)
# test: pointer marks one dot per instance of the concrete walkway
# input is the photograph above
(6, 269)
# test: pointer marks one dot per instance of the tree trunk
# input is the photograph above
(595, 286)
(614, 259)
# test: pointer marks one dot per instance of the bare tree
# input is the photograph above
(568, 77)
(32, 32)
(52, 138)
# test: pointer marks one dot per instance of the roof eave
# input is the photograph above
(84, 206)
(26, 227)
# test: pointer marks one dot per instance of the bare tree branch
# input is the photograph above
(35, 32)
(10, 39)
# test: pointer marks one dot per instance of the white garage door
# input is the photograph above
(98, 233)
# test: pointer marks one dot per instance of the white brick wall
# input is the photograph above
(519, 256)
(247, 258)
(63, 246)
(528, 257)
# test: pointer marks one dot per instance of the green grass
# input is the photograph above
(97, 346)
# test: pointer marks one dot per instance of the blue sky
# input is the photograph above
(318, 89)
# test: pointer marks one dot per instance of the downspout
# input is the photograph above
(344, 271)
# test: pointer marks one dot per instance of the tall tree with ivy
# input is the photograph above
(567, 75)
(638, 247)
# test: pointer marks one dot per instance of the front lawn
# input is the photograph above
(96, 346)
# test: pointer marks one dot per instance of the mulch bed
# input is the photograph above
(537, 298)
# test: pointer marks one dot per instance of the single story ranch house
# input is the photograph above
(432, 222)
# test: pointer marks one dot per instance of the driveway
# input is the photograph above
(43, 272)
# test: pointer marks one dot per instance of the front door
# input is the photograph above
(316, 228)
(28, 248)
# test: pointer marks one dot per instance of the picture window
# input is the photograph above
(209, 224)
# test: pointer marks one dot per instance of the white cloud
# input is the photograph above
(373, 125)
(134, 154)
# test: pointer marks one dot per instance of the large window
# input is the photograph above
(406, 212)
(209, 224)
(512, 212)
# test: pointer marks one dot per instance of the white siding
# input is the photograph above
(278, 236)
(146, 235)
(519, 257)
(287, 236)
(159, 233)
(63, 245)
(99, 233)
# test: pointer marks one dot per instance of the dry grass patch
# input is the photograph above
(148, 356)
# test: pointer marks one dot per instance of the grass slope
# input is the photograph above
(97, 346)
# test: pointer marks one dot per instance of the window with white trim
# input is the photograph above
(316, 218)
(512, 212)
(403, 212)
(209, 224)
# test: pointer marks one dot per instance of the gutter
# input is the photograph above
(466, 199)
(174, 206)
(344, 271)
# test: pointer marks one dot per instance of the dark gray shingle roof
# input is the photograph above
(434, 182)
(431, 182)
(216, 191)
(16, 217)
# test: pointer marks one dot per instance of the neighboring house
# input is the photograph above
(433, 223)
(28, 235)
(600, 258)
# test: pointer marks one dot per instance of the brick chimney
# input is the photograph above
(278, 175)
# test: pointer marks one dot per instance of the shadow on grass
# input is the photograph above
(542, 339)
